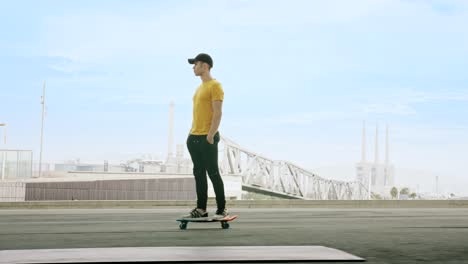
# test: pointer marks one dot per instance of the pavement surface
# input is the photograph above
(410, 235)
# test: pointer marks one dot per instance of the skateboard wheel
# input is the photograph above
(183, 226)
(224, 225)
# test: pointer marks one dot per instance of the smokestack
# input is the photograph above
(376, 144)
(387, 158)
(363, 158)
(171, 130)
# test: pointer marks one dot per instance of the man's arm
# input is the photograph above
(216, 106)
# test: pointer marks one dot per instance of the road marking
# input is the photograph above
(178, 254)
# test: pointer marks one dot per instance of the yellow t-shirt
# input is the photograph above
(202, 109)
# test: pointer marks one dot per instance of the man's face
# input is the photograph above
(198, 68)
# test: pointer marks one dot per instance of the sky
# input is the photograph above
(300, 78)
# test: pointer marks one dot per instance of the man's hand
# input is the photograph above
(216, 107)
(210, 139)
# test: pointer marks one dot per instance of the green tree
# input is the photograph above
(412, 195)
(404, 191)
(394, 192)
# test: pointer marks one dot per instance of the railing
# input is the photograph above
(15, 164)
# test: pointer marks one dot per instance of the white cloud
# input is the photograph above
(425, 96)
(393, 108)
(305, 118)
(398, 103)
(403, 102)
(230, 25)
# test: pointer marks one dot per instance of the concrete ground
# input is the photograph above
(379, 235)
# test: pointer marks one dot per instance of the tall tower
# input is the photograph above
(170, 153)
(377, 176)
(363, 168)
(376, 160)
(363, 157)
(388, 168)
(387, 158)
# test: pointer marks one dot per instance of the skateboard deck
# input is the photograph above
(224, 221)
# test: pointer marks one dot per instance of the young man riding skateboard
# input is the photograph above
(203, 139)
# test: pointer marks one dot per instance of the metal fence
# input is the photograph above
(15, 164)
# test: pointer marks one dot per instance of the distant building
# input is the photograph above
(177, 163)
(380, 174)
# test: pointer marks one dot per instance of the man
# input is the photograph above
(203, 139)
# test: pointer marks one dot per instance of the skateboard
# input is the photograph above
(224, 221)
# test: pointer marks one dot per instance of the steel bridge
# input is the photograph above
(283, 178)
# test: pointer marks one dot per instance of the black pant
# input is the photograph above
(205, 159)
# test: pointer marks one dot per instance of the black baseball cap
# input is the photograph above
(202, 57)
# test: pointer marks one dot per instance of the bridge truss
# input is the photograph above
(283, 177)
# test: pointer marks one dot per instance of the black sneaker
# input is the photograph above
(221, 213)
(196, 213)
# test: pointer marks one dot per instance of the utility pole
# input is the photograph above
(42, 128)
(4, 125)
(171, 132)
